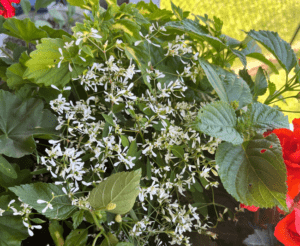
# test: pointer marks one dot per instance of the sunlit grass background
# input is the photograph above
(281, 16)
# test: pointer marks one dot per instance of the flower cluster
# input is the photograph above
(157, 121)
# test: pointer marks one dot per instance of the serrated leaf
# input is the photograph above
(23, 29)
(218, 120)
(12, 230)
(178, 151)
(56, 231)
(252, 46)
(260, 83)
(7, 169)
(282, 50)
(119, 188)
(263, 59)
(30, 193)
(77, 237)
(262, 238)
(253, 176)
(214, 80)
(20, 121)
(265, 117)
(177, 11)
(77, 218)
(236, 88)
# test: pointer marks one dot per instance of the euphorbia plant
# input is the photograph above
(119, 118)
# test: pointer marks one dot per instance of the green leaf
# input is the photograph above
(177, 11)
(261, 58)
(77, 218)
(77, 237)
(124, 244)
(23, 29)
(108, 119)
(26, 6)
(236, 88)
(23, 177)
(7, 169)
(149, 173)
(125, 141)
(261, 84)
(56, 231)
(42, 4)
(132, 149)
(20, 121)
(218, 120)
(42, 65)
(265, 117)
(30, 193)
(214, 80)
(120, 188)
(252, 46)
(38, 220)
(272, 88)
(129, 27)
(178, 151)
(12, 230)
(113, 240)
(15, 76)
(253, 177)
(282, 50)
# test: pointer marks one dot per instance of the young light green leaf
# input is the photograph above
(177, 11)
(254, 173)
(77, 237)
(120, 189)
(214, 80)
(218, 120)
(30, 193)
(108, 119)
(56, 231)
(125, 141)
(12, 230)
(7, 169)
(129, 27)
(282, 50)
(20, 121)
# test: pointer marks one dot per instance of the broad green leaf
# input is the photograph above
(125, 141)
(236, 88)
(108, 119)
(84, 4)
(178, 151)
(282, 50)
(23, 177)
(120, 188)
(132, 149)
(266, 117)
(26, 6)
(77, 237)
(30, 193)
(7, 169)
(231, 42)
(12, 230)
(20, 122)
(129, 27)
(40, 23)
(252, 46)
(113, 240)
(263, 59)
(218, 120)
(54, 33)
(42, 4)
(43, 69)
(254, 173)
(77, 218)
(124, 244)
(240, 55)
(197, 31)
(243, 73)
(23, 29)
(261, 84)
(214, 80)
(56, 231)
(15, 76)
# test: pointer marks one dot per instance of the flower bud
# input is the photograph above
(111, 206)
(118, 218)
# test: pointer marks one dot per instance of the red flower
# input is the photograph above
(290, 143)
(6, 9)
(250, 208)
(287, 231)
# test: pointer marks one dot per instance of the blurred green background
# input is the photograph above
(281, 16)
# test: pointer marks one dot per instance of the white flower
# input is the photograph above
(1, 211)
(31, 227)
(48, 205)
